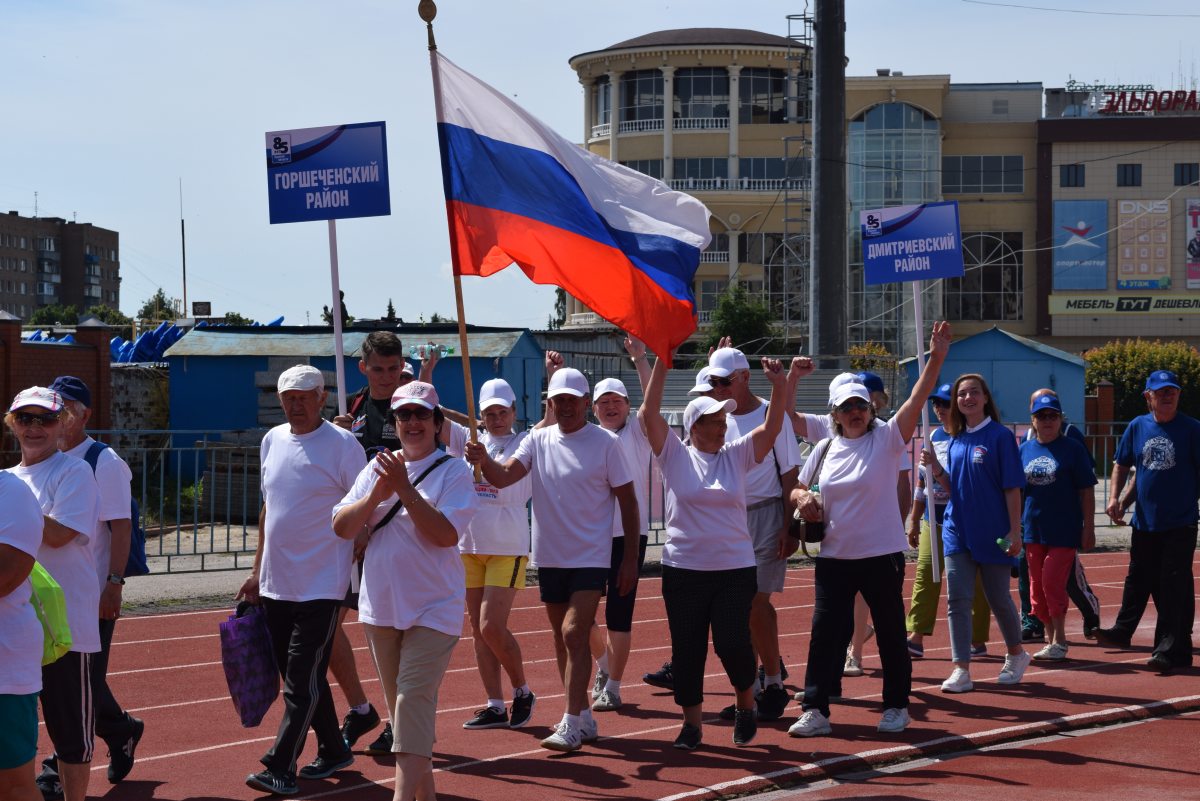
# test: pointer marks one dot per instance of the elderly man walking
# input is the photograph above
(1165, 446)
(301, 573)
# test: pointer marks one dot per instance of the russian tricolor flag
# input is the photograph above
(516, 192)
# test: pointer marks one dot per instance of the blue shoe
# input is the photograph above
(915, 650)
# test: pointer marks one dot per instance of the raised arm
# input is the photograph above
(782, 385)
(910, 412)
(637, 354)
(650, 413)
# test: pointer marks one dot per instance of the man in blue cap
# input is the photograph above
(1165, 446)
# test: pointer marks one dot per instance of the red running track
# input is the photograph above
(166, 670)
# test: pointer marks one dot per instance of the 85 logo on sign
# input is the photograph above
(281, 149)
(872, 224)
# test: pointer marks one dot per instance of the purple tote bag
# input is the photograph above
(249, 663)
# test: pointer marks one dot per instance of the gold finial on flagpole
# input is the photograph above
(427, 9)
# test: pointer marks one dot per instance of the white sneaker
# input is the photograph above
(565, 738)
(1014, 668)
(811, 724)
(894, 720)
(959, 682)
(853, 667)
(1053, 652)
(607, 701)
(598, 683)
(589, 732)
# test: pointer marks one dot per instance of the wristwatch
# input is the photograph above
(113, 578)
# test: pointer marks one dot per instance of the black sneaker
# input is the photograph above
(1031, 634)
(1090, 629)
(51, 787)
(745, 726)
(383, 743)
(522, 710)
(268, 781)
(771, 702)
(120, 752)
(355, 725)
(323, 768)
(689, 738)
(488, 718)
(661, 678)
(728, 713)
(1111, 639)
(762, 674)
(1161, 664)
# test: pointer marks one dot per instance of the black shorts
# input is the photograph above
(618, 609)
(67, 707)
(556, 585)
(351, 599)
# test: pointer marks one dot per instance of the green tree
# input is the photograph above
(1126, 365)
(158, 307)
(559, 318)
(390, 314)
(54, 315)
(233, 318)
(437, 318)
(109, 315)
(744, 319)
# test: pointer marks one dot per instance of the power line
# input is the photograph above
(1080, 10)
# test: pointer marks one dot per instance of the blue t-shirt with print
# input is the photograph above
(983, 463)
(1167, 458)
(1070, 431)
(1054, 474)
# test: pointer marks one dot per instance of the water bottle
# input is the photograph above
(419, 351)
(1003, 543)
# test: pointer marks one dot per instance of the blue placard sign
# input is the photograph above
(328, 173)
(911, 243)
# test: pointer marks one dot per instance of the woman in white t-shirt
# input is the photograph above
(416, 502)
(68, 497)
(864, 542)
(709, 575)
(20, 637)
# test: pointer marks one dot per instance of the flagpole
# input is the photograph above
(336, 309)
(427, 10)
(919, 319)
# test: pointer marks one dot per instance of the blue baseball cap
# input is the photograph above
(872, 382)
(1043, 402)
(72, 388)
(1162, 378)
(942, 393)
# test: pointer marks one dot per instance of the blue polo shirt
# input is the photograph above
(1167, 458)
(1070, 431)
(983, 463)
(1054, 475)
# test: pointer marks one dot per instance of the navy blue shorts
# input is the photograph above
(556, 585)
(618, 609)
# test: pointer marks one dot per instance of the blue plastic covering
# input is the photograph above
(151, 345)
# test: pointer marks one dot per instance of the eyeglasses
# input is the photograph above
(404, 415)
(720, 382)
(938, 403)
(43, 420)
(1048, 414)
(856, 405)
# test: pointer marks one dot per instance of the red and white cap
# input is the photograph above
(47, 399)
(415, 393)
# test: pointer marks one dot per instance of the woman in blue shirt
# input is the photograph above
(984, 479)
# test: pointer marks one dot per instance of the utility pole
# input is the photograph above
(827, 304)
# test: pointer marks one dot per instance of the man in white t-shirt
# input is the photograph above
(301, 573)
(110, 548)
(768, 486)
(610, 406)
(576, 468)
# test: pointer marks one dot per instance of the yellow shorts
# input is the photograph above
(494, 571)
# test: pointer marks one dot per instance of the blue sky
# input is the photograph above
(108, 104)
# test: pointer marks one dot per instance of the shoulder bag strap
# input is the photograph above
(396, 509)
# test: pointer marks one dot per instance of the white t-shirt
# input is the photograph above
(20, 631)
(706, 505)
(501, 526)
(820, 426)
(573, 479)
(762, 483)
(639, 459)
(407, 580)
(112, 481)
(303, 476)
(858, 481)
(67, 492)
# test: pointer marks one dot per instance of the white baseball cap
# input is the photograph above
(567, 381)
(726, 361)
(702, 385)
(839, 380)
(606, 385)
(303, 377)
(415, 393)
(47, 399)
(847, 391)
(705, 405)
(407, 369)
(496, 392)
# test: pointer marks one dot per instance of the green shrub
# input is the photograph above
(1126, 364)
(873, 356)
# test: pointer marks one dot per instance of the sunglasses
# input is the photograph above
(940, 404)
(720, 382)
(854, 406)
(43, 420)
(404, 415)
(1047, 415)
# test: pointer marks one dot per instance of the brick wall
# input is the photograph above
(27, 364)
